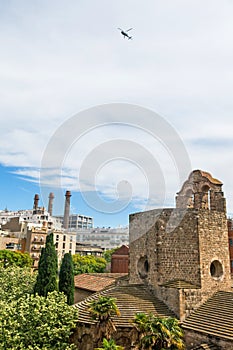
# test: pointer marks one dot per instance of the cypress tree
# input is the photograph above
(66, 278)
(47, 270)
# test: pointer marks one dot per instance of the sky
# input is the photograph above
(120, 123)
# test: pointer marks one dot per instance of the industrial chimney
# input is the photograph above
(50, 205)
(67, 210)
(36, 201)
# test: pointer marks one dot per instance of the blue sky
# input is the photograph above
(60, 59)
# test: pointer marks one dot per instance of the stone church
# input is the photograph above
(179, 266)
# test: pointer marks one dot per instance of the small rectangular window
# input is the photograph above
(64, 245)
(64, 238)
(231, 242)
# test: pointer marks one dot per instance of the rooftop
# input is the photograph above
(96, 282)
(130, 300)
(214, 317)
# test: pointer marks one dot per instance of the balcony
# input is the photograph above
(36, 247)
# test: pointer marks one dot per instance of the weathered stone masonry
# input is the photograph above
(186, 244)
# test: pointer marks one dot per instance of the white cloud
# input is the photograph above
(59, 58)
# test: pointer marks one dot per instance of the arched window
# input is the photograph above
(205, 201)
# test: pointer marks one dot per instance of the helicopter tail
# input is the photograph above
(129, 37)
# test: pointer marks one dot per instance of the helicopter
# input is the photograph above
(125, 34)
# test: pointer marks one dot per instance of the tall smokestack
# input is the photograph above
(36, 200)
(50, 205)
(67, 210)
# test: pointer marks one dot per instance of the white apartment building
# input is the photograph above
(106, 238)
(78, 221)
(34, 218)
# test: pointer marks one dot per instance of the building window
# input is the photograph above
(231, 242)
(70, 251)
(216, 269)
(64, 245)
(232, 264)
(57, 237)
(71, 238)
(143, 267)
(56, 245)
(70, 245)
(64, 238)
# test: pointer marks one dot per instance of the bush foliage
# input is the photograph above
(88, 264)
(11, 258)
(32, 322)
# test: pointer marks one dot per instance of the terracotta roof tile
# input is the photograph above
(214, 317)
(130, 299)
(93, 283)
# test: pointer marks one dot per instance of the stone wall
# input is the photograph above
(193, 339)
(195, 251)
(170, 255)
(81, 294)
(191, 299)
(230, 236)
(85, 337)
(171, 297)
(214, 253)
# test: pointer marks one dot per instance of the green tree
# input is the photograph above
(11, 258)
(110, 345)
(102, 310)
(36, 322)
(108, 254)
(88, 264)
(66, 278)
(158, 332)
(15, 282)
(48, 269)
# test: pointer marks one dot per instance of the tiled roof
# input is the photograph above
(114, 275)
(92, 283)
(214, 317)
(179, 284)
(130, 299)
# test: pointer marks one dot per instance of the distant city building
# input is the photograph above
(78, 221)
(10, 242)
(26, 230)
(34, 218)
(87, 249)
(106, 238)
(36, 238)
